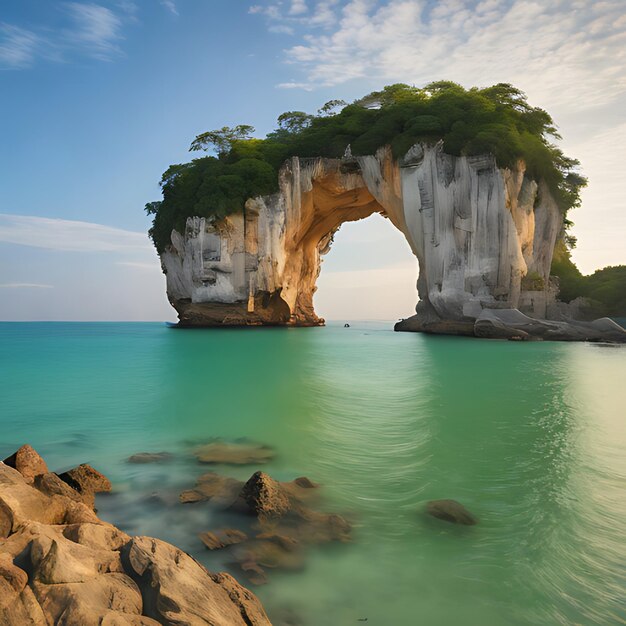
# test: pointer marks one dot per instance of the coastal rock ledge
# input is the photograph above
(60, 564)
(484, 237)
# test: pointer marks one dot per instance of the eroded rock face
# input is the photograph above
(476, 230)
(60, 564)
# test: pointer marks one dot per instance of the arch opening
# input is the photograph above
(369, 273)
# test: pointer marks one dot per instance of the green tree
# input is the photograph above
(295, 121)
(221, 140)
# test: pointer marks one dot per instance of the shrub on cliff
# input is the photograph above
(606, 286)
(495, 120)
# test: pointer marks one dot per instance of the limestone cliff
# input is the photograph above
(479, 232)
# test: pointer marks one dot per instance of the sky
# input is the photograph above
(98, 98)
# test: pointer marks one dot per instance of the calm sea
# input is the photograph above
(531, 437)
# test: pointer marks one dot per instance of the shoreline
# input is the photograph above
(59, 561)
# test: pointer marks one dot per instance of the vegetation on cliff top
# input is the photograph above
(495, 120)
(606, 287)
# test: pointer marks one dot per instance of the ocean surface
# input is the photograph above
(531, 437)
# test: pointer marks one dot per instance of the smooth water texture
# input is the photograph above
(531, 437)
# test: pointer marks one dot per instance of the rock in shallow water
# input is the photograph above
(221, 452)
(150, 457)
(281, 520)
(450, 511)
(265, 497)
(217, 539)
(84, 572)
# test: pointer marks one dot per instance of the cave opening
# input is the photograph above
(369, 273)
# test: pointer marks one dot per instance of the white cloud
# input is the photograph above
(295, 85)
(298, 7)
(285, 17)
(95, 28)
(18, 47)
(69, 235)
(25, 286)
(569, 56)
(559, 52)
(281, 29)
(170, 5)
(89, 30)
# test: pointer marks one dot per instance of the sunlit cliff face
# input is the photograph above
(476, 230)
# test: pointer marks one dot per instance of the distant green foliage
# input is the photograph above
(607, 286)
(496, 120)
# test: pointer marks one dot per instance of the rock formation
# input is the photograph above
(279, 517)
(60, 564)
(484, 238)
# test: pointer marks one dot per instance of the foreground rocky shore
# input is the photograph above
(60, 564)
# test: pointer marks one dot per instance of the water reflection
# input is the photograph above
(530, 437)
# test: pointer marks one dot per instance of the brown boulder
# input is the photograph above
(52, 485)
(17, 603)
(20, 502)
(265, 496)
(86, 480)
(178, 590)
(27, 462)
(90, 602)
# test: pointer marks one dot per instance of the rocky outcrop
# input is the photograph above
(483, 236)
(279, 518)
(60, 564)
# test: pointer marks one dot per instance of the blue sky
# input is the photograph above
(98, 98)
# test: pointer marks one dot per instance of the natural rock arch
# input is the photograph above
(483, 236)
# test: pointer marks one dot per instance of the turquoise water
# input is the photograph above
(531, 437)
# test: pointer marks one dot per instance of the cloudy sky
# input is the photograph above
(98, 98)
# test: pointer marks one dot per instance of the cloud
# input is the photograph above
(559, 52)
(295, 85)
(95, 28)
(88, 29)
(69, 235)
(285, 17)
(170, 5)
(18, 47)
(25, 286)
(298, 7)
(281, 29)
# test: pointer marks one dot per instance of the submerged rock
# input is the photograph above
(149, 457)
(217, 539)
(81, 571)
(282, 522)
(450, 511)
(221, 452)
(221, 490)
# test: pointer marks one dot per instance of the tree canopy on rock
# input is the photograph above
(496, 120)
